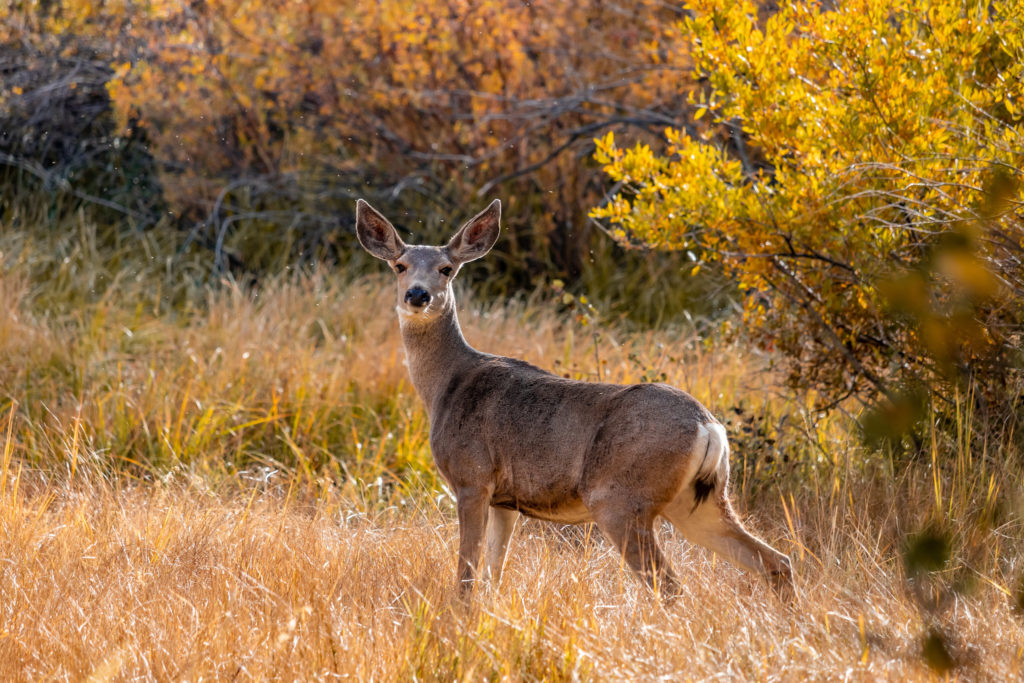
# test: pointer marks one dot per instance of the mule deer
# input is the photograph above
(509, 437)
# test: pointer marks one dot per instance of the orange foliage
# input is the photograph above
(443, 98)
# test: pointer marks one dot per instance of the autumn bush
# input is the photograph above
(267, 119)
(870, 205)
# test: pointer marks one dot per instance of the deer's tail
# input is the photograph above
(712, 450)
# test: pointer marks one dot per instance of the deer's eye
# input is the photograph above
(399, 268)
(446, 271)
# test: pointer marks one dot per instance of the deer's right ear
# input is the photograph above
(376, 233)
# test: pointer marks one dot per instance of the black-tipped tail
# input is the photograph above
(703, 486)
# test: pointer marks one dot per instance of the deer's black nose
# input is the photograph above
(417, 296)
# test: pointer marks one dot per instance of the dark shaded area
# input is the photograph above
(59, 143)
(935, 652)
(928, 551)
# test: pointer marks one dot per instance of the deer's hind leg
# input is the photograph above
(632, 532)
(712, 523)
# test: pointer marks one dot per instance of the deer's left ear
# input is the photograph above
(477, 236)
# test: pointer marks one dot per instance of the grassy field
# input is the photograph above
(203, 480)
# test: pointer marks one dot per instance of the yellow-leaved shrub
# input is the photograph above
(858, 172)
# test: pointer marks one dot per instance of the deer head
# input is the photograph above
(425, 273)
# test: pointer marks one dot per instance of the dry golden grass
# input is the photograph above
(173, 581)
(214, 483)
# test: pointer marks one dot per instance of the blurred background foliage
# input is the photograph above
(253, 127)
(846, 174)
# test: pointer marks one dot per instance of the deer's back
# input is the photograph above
(546, 441)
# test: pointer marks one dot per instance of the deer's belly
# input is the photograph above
(571, 511)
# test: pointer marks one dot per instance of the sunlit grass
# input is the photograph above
(173, 580)
(234, 482)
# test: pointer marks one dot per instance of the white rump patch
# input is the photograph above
(710, 454)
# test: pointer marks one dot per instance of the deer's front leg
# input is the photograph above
(473, 504)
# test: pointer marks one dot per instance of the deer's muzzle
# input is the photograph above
(417, 297)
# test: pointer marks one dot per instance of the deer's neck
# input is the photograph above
(436, 350)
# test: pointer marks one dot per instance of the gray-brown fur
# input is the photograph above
(509, 437)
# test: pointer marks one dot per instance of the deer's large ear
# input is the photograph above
(477, 236)
(376, 233)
